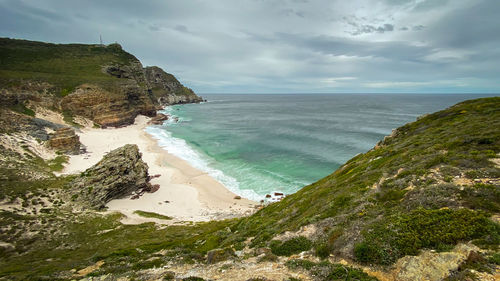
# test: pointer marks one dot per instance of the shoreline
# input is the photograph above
(185, 194)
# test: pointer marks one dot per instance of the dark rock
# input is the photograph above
(65, 140)
(278, 194)
(218, 255)
(154, 188)
(237, 197)
(262, 251)
(268, 196)
(166, 89)
(120, 173)
(158, 119)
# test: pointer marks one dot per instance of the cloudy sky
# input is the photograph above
(286, 46)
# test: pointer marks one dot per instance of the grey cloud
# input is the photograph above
(366, 28)
(181, 28)
(360, 28)
(429, 5)
(347, 47)
(155, 27)
(293, 12)
(284, 45)
(418, 27)
(469, 27)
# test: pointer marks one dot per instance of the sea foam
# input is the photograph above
(180, 148)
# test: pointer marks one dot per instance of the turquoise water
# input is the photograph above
(261, 144)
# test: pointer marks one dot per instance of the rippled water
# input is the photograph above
(259, 144)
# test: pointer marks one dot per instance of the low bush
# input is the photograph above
(291, 246)
(406, 234)
(297, 264)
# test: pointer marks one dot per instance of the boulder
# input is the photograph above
(218, 255)
(65, 140)
(430, 265)
(158, 119)
(120, 173)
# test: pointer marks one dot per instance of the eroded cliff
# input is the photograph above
(102, 83)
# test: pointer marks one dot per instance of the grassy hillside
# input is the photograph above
(431, 185)
(64, 66)
(102, 83)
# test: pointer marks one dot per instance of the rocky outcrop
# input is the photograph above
(430, 265)
(167, 89)
(65, 140)
(218, 255)
(120, 173)
(32, 126)
(136, 91)
(158, 119)
(106, 108)
(160, 81)
(104, 84)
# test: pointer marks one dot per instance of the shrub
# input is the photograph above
(366, 253)
(297, 263)
(329, 271)
(291, 246)
(322, 250)
(268, 257)
(151, 215)
(406, 234)
(495, 258)
(193, 278)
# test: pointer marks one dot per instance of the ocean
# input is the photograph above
(260, 144)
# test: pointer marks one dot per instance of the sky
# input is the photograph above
(286, 46)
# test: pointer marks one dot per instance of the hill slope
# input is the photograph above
(102, 83)
(432, 184)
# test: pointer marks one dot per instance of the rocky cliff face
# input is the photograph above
(167, 89)
(118, 174)
(65, 140)
(106, 108)
(102, 83)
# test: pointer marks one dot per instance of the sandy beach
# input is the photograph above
(185, 194)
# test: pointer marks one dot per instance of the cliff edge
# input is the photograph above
(103, 84)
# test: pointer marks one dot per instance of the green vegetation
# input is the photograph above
(403, 196)
(57, 164)
(64, 66)
(184, 91)
(298, 263)
(21, 108)
(193, 278)
(291, 246)
(152, 215)
(328, 271)
(415, 168)
(475, 262)
(68, 118)
(405, 234)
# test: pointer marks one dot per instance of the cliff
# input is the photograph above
(102, 83)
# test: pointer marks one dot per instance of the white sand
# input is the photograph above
(192, 195)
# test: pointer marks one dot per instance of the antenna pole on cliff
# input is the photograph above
(100, 39)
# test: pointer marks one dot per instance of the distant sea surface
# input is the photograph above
(261, 144)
